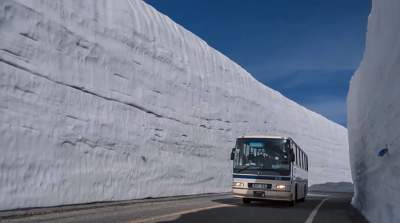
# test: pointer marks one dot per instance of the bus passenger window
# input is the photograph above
(307, 162)
(301, 159)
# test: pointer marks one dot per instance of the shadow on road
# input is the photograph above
(333, 187)
(258, 211)
(340, 209)
(336, 209)
(269, 204)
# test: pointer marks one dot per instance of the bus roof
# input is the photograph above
(264, 137)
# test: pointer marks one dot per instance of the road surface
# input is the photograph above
(318, 208)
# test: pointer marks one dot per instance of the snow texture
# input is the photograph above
(374, 117)
(111, 100)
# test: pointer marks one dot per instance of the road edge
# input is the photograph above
(26, 212)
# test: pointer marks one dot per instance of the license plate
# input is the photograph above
(259, 194)
(261, 186)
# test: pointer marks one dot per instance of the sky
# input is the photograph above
(307, 50)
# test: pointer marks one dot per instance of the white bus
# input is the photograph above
(269, 168)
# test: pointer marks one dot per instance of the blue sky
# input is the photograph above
(307, 50)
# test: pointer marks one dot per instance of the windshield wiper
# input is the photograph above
(244, 168)
(271, 170)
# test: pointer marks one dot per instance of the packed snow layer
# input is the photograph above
(374, 117)
(111, 100)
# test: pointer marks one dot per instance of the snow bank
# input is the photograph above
(111, 100)
(374, 117)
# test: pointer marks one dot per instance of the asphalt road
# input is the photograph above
(318, 208)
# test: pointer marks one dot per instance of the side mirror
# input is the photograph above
(287, 145)
(233, 154)
(291, 156)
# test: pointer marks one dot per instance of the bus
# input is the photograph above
(269, 168)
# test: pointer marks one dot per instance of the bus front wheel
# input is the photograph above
(304, 194)
(246, 201)
(294, 200)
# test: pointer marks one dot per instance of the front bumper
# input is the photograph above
(269, 195)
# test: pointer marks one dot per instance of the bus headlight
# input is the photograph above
(282, 187)
(238, 184)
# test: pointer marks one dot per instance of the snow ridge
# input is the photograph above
(111, 100)
(374, 117)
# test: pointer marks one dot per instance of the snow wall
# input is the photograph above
(111, 100)
(374, 117)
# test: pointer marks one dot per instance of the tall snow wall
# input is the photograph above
(111, 100)
(374, 117)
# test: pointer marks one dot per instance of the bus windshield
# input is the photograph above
(269, 155)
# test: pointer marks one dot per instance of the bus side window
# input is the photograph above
(307, 162)
(298, 148)
(302, 161)
(299, 156)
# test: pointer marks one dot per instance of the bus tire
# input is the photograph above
(246, 200)
(304, 193)
(294, 200)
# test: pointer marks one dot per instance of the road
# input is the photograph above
(318, 208)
